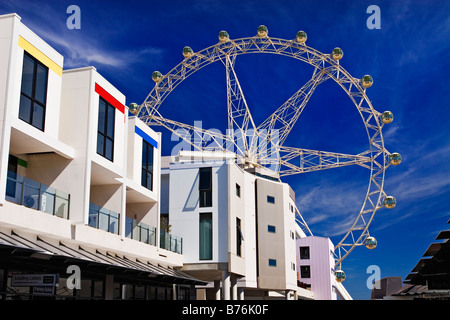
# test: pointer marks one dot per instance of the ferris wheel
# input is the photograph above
(250, 142)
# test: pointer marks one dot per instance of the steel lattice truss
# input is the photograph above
(262, 145)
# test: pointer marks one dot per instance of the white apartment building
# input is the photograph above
(79, 184)
(315, 261)
(238, 227)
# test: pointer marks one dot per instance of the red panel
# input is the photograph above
(113, 101)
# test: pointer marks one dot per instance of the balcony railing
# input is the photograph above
(38, 196)
(103, 219)
(140, 231)
(170, 242)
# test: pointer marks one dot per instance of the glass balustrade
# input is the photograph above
(38, 196)
(103, 219)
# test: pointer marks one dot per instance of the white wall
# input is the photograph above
(321, 263)
(184, 210)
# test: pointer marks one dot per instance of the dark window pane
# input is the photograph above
(205, 236)
(38, 116)
(101, 116)
(25, 109)
(108, 149)
(27, 75)
(110, 122)
(144, 155)
(41, 84)
(205, 178)
(205, 198)
(144, 178)
(100, 144)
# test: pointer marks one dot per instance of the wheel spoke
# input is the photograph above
(297, 160)
(239, 116)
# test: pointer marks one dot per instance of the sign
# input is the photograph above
(44, 290)
(31, 280)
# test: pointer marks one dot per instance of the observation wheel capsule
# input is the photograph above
(389, 202)
(337, 54)
(367, 81)
(340, 275)
(395, 158)
(188, 52)
(133, 107)
(263, 31)
(387, 117)
(156, 76)
(370, 243)
(301, 37)
(223, 36)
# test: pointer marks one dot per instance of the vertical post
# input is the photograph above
(217, 289)
(234, 290)
(109, 287)
(241, 293)
(226, 285)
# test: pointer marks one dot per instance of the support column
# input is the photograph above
(226, 285)
(234, 290)
(109, 287)
(241, 293)
(217, 289)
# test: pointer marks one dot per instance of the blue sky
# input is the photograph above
(408, 59)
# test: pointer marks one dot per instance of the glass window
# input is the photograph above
(271, 228)
(205, 187)
(270, 199)
(304, 252)
(305, 272)
(239, 237)
(205, 239)
(272, 262)
(238, 190)
(147, 165)
(33, 92)
(105, 134)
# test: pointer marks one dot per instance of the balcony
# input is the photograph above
(38, 196)
(144, 233)
(103, 219)
(140, 231)
(170, 242)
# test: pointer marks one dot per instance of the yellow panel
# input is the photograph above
(35, 52)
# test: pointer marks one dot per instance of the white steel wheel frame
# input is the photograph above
(376, 158)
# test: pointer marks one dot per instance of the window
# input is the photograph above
(33, 95)
(304, 252)
(270, 199)
(205, 187)
(272, 263)
(271, 228)
(147, 165)
(305, 272)
(105, 135)
(238, 190)
(239, 237)
(205, 239)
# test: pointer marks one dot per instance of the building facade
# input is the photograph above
(79, 183)
(238, 227)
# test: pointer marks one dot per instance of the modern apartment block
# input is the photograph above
(315, 261)
(238, 227)
(79, 184)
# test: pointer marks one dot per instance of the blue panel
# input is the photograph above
(146, 137)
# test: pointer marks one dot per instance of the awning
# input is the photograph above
(95, 260)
